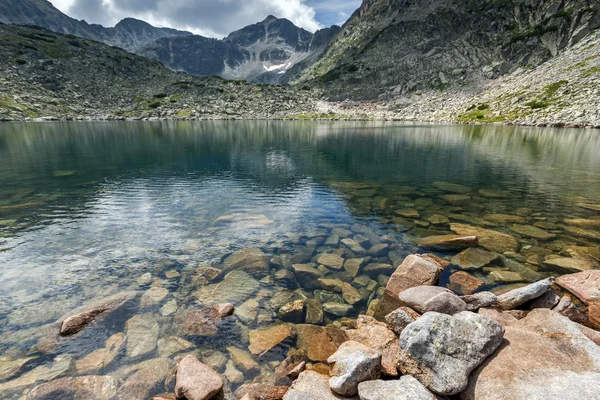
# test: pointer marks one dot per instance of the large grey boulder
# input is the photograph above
(520, 296)
(545, 356)
(432, 298)
(441, 350)
(353, 363)
(405, 388)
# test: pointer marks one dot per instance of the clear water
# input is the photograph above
(88, 210)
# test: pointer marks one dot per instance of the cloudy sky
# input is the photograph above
(215, 18)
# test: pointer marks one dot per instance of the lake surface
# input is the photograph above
(90, 210)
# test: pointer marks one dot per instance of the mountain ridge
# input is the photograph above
(42, 13)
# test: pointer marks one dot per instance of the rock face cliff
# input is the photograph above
(262, 52)
(393, 48)
(129, 34)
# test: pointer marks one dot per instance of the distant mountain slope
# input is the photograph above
(129, 34)
(43, 73)
(262, 52)
(394, 48)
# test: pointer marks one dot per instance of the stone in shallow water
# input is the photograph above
(243, 360)
(579, 232)
(376, 269)
(307, 276)
(438, 219)
(332, 261)
(333, 285)
(314, 312)
(354, 246)
(10, 367)
(408, 213)
(76, 388)
(532, 232)
(474, 258)
(500, 275)
(587, 206)
(319, 342)
(114, 346)
(91, 363)
(517, 297)
(351, 295)
(492, 193)
(352, 266)
(584, 285)
(196, 381)
(353, 363)
(337, 309)
(451, 187)
(571, 265)
(252, 261)
(203, 322)
(464, 283)
(489, 239)
(263, 340)
(79, 319)
(441, 350)
(172, 345)
(232, 374)
(292, 312)
(405, 388)
(583, 223)
(169, 308)
(448, 242)
(456, 199)
(142, 334)
(505, 219)
(153, 296)
(544, 356)
(236, 287)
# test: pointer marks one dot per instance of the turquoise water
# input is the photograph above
(88, 210)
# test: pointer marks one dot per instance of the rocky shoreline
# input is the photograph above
(535, 341)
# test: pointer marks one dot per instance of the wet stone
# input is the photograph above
(333, 261)
(448, 242)
(532, 232)
(353, 266)
(571, 265)
(337, 309)
(474, 258)
(464, 283)
(438, 220)
(142, 334)
(292, 312)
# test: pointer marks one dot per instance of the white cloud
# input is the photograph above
(215, 18)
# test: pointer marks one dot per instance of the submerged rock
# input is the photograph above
(571, 265)
(318, 342)
(405, 388)
(441, 350)
(353, 363)
(76, 321)
(236, 287)
(149, 378)
(333, 261)
(251, 261)
(488, 239)
(196, 381)
(448, 242)
(307, 276)
(76, 388)
(545, 356)
(142, 334)
(264, 340)
(474, 258)
(464, 283)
